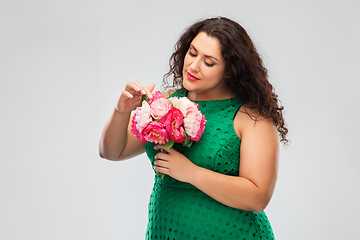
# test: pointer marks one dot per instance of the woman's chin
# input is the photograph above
(188, 86)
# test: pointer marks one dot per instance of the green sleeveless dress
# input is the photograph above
(179, 210)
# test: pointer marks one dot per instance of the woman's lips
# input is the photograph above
(191, 77)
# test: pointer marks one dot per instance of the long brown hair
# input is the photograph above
(245, 73)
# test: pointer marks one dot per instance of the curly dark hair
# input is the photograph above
(245, 73)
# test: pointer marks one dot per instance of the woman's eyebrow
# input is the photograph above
(208, 56)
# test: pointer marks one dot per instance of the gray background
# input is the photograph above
(64, 63)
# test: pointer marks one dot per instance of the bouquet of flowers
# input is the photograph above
(168, 121)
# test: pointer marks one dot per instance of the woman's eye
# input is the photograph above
(209, 64)
(192, 54)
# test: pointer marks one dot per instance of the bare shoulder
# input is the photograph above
(168, 93)
(248, 121)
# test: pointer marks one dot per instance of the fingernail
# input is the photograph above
(137, 89)
(143, 92)
(130, 95)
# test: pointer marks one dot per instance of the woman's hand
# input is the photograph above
(174, 164)
(130, 98)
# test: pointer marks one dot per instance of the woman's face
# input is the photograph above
(204, 68)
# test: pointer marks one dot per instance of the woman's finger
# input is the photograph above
(151, 87)
(161, 163)
(143, 90)
(134, 87)
(126, 93)
(161, 156)
(159, 146)
(140, 88)
(161, 170)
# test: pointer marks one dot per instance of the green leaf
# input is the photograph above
(169, 144)
(144, 97)
(186, 137)
(188, 143)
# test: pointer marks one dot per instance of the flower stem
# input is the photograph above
(162, 175)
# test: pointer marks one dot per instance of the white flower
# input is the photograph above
(142, 116)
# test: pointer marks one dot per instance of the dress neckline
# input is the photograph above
(204, 101)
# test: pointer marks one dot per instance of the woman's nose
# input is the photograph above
(195, 65)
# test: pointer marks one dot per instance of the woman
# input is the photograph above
(218, 188)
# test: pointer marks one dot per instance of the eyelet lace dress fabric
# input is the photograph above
(180, 211)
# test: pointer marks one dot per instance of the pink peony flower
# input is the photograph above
(156, 132)
(182, 104)
(142, 116)
(167, 120)
(173, 121)
(194, 121)
(159, 108)
(136, 132)
(156, 96)
(200, 129)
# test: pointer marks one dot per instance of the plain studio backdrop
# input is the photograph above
(63, 65)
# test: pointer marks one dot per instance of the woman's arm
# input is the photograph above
(253, 188)
(116, 141)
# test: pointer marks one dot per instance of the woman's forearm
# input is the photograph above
(114, 135)
(233, 191)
